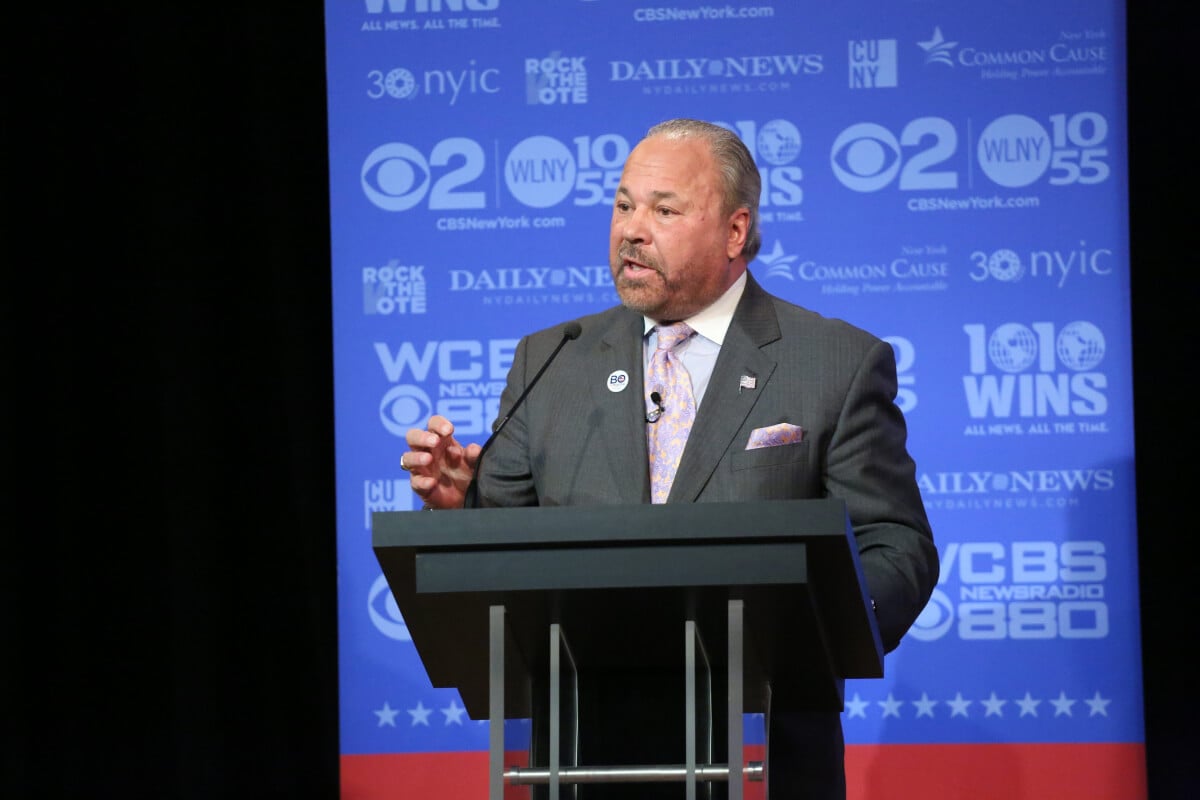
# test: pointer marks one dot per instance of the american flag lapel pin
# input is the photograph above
(746, 382)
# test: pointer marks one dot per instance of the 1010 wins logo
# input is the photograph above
(1035, 373)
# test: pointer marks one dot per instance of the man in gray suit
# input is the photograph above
(787, 404)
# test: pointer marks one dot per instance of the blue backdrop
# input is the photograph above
(949, 176)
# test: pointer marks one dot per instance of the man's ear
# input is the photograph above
(739, 230)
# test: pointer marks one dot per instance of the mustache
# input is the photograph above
(632, 252)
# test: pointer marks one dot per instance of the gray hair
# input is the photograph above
(739, 176)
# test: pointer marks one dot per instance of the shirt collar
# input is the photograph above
(713, 322)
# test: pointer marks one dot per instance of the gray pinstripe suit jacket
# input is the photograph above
(574, 442)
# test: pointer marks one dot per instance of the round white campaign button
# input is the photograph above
(618, 380)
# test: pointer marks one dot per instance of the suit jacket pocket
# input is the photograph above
(768, 456)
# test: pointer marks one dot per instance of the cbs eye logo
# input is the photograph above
(867, 157)
(935, 620)
(397, 177)
(404, 407)
(384, 613)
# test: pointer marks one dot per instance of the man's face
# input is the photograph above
(670, 247)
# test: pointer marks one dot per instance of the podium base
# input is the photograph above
(561, 742)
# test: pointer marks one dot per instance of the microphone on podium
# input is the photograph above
(571, 332)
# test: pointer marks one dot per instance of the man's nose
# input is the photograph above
(635, 227)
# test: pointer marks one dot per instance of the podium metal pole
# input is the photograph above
(496, 703)
(560, 652)
(698, 702)
(734, 693)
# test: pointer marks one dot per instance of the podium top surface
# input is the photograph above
(612, 524)
(608, 570)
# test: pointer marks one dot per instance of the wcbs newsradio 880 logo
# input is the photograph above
(461, 380)
(1032, 590)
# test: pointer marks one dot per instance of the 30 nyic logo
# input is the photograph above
(1025, 590)
(394, 289)
(1007, 266)
(1036, 372)
(1012, 151)
(556, 80)
(873, 64)
(1073, 53)
(446, 84)
(464, 379)
(398, 83)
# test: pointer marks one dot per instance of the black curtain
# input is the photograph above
(170, 513)
(176, 596)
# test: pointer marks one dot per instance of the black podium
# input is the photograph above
(512, 606)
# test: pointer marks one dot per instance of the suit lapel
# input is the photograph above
(620, 421)
(726, 406)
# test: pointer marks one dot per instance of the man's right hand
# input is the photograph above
(439, 468)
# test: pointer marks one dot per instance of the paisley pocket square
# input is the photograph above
(775, 435)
